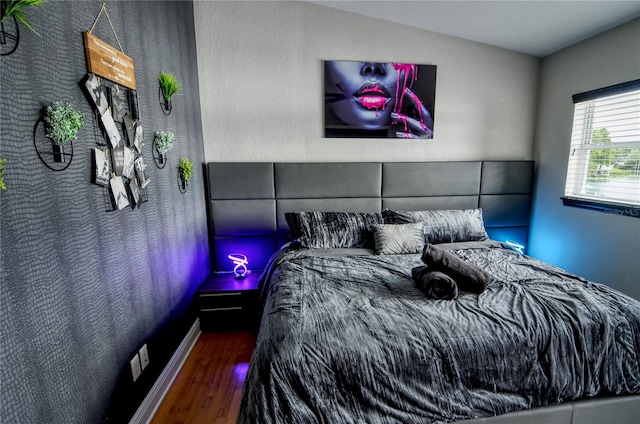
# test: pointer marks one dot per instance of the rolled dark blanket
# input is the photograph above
(468, 276)
(434, 284)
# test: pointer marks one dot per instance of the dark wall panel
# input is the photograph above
(82, 288)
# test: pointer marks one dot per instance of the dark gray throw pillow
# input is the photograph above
(333, 230)
(396, 239)
(443, 226)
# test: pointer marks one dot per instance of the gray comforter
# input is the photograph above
(346, 337)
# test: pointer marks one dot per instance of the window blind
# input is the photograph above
(604, 156)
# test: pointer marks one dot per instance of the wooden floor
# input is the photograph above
(209, 385)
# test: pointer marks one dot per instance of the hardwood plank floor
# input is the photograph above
(209, 386)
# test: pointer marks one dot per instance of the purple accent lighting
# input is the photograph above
(240, 370)
(240, 261)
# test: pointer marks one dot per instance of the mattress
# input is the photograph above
(347, 337)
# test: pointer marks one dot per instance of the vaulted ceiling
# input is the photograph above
(538, 28)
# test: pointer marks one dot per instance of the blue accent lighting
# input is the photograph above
(516, 246)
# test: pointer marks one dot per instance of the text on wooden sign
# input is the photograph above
(108, 62)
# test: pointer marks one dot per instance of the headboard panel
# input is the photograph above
(429, 179)
(247, 201)
(327, 180)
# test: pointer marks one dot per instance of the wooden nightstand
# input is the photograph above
(226, 303)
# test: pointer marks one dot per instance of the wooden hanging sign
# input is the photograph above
(108, 62)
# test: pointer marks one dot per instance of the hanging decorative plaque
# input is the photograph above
(111, 88)
(105, 60)
(108, 62)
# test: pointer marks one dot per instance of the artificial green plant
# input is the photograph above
(62, 122)
(185, 169)
(2, 185)
(164, 141)
(16, 8)
(169, 85)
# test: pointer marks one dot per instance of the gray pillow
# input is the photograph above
(333, 230)
(396, 239)
(443, 226)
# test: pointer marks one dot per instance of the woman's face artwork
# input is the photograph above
(362, 94)
(379, 99)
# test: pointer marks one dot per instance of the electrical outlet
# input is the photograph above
(144, 356)
(135, 367)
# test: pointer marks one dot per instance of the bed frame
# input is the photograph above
(247, 203)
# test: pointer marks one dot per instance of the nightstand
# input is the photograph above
(226, 303)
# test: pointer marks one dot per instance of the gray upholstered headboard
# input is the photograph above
(247, 201)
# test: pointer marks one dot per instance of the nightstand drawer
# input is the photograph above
(225, 303)
(222, 309)
(218, 300)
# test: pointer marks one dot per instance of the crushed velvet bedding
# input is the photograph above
(347, 337)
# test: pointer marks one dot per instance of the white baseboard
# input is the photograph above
(154, 398)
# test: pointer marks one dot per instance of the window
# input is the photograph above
(604, 160)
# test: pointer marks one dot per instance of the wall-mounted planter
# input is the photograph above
(162, 143)
(168, 87)
(165, 104)
(11, 12)
(61, 123)
(2, 185)
(185, 171)
(182, 185)
(54, 156)
(9, 36)
(58, 152)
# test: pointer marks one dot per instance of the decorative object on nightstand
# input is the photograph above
(185, 171)
(168, 87)
(515, 246)
(227, 303)
(162, 143)
(240, 265)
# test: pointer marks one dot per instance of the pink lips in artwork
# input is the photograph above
(373, 97)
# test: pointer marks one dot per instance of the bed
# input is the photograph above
(346, 334)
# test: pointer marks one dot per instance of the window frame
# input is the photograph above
(606, 206)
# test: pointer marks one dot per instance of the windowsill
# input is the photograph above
(609, 208)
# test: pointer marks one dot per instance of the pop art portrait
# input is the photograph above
(378, 100)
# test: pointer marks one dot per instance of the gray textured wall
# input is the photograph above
(82, 288)
(600, 247)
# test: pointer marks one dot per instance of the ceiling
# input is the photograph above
(538, 28)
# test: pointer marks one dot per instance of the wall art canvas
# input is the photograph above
(378, 100)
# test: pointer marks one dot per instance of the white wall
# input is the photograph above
(601, 247)
(261, 86)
